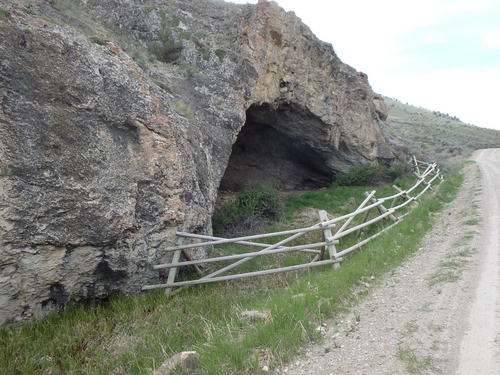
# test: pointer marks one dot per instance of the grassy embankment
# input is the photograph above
(436, 133)
(133, 335)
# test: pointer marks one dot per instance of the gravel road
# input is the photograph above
(439, 312)
(480, 349)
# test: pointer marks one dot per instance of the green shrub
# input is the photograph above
(221, 53)
(29, 11)
(369, 174)
(162, 85)
(4, 13)
(173, 22)
(98, 40)
(358, 175)
(137, 57)
(248, 211)
(205, 53)
(396, 171)
(167, 49)
(185, 35)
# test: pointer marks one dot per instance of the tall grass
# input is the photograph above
(133, 335)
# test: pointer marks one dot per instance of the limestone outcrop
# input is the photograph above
(117, 125)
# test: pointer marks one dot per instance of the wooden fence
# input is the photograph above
(389, 209)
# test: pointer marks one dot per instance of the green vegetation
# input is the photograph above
(162, 85)
(443, 276)
(249, 211)
(221, 53)
(334, 198)
(415, 363)
(190, 70)
(171, 23)
(183, 109)
(410, 328)
(86, 21)
(450, 270)
(471, 222)
(98, 40)
(205, 53)
(29, 11)
(4, 14)
(167, 50)
(366, 174)
(134, 335)
(436, 133)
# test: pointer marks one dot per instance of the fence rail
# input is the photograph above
(426, 174)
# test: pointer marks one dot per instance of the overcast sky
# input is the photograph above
(438, 54)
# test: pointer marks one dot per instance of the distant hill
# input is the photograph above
(439, 134)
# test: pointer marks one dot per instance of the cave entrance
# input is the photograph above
(276, 147)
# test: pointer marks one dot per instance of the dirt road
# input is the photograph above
(480, 349)
(439, 313)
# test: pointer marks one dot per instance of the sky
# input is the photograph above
(438, 54)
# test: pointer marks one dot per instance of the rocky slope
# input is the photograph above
(117, 123)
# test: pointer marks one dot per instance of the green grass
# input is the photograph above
(443, 276)
(135, 334)
(334, 198)
(472, 222)
(410, 328)
(415, 363)
(450, 270)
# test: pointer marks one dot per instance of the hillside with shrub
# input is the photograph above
(436, 134)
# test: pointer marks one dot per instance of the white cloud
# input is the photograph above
(435, 39)
(469, 94)
(491, 39)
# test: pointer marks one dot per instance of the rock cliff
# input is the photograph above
(120, 119)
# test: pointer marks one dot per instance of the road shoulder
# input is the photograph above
(411, 321)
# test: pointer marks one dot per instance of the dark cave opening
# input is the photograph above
(276, 147)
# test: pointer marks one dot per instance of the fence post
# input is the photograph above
(363, 220)
(416, 166)
(327, 234)
(423, 181)
(406, 196)
(382, 209)
(190, 258)
(172, 272)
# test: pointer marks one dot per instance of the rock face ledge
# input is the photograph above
(117, 124)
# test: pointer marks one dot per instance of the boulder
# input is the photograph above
(115, 136)
(188, 362)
